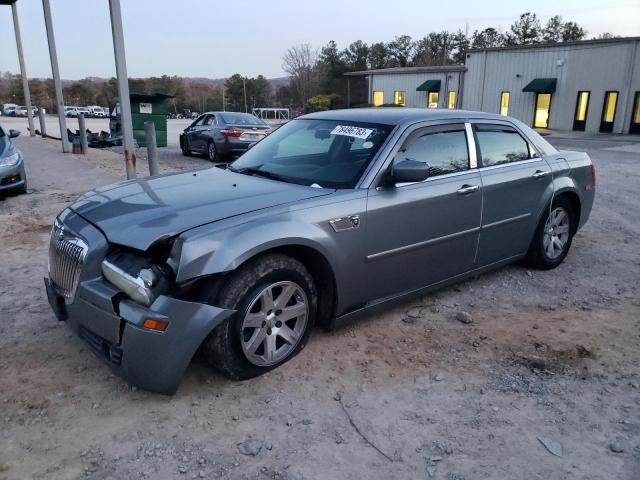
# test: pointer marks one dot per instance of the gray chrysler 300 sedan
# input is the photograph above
(333, 215)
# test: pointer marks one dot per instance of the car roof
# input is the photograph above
(235, 113)
(398, 115)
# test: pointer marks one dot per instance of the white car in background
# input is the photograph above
(70, 111)
(9, 109)
(21, 111)
(84, 111)
(97, 112)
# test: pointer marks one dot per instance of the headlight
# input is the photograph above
(135, 277)
(11, 160)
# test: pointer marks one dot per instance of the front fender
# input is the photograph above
(228, 249)
(218, 248)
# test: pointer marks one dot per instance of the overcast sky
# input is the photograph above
(199, 38)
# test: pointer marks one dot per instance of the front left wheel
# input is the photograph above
(186, 151)
(276, 300)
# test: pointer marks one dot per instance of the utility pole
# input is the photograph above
(23, 69)
(244, 87)
(123, 88)
(55, 71)
(223, 104)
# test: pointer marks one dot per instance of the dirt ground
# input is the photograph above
(550, 358)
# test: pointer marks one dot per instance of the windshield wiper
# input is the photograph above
(257, 172)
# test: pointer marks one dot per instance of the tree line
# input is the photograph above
(193, 94)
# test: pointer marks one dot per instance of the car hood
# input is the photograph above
(137, 213)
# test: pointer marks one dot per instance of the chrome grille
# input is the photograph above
(66, 256)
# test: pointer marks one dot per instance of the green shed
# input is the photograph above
(146, 108)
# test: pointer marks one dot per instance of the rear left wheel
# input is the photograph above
(553, 236)
(212, 152)
(275, 299)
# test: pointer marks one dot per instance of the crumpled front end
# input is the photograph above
(121, 332)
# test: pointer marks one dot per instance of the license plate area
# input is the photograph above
(251, 137)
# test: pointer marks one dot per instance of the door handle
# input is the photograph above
(467, 189)
(540, 174)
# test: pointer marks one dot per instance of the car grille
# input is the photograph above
(66, 256)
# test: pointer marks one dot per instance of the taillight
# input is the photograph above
(231, 133)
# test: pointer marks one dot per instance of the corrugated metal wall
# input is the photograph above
(592, 67)
(408, 82)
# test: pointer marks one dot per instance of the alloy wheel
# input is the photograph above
(556, 232)
(274, 323)
(211, 150)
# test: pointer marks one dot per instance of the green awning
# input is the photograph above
(541, 85)
(429, 86)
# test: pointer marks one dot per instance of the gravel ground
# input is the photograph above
(537, 379)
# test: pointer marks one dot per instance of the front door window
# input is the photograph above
(543, 104)
(432, 100)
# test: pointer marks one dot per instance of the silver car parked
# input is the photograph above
(334, 215)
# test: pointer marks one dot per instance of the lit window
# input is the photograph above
(543, 104)
(399, 97)
(504, 104)
(611, 99)
(432, 100)
(583, 103)
(378, 98)
(451, 103)
(636, 109)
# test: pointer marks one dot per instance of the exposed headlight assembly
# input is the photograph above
(136, 277)
(10, 160)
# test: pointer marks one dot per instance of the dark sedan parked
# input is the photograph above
(218, 134)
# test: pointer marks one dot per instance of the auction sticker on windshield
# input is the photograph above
(350, 131)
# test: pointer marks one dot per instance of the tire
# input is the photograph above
(212, 151)
(240, 347)
(549, 248)
(185, 147)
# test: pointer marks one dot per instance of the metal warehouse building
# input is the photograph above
(591, 86)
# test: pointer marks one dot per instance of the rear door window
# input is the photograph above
(500, 144)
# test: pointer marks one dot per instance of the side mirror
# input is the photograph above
(408, 170)
(14, 133)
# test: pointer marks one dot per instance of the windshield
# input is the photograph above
(321, 153)
(240, 119)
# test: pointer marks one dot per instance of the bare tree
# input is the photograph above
(300, 61)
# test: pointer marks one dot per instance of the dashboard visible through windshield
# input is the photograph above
(319, 153)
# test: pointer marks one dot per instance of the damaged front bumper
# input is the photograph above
(111, 326)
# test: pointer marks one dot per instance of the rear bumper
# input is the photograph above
(112, 329)
(233, 146)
